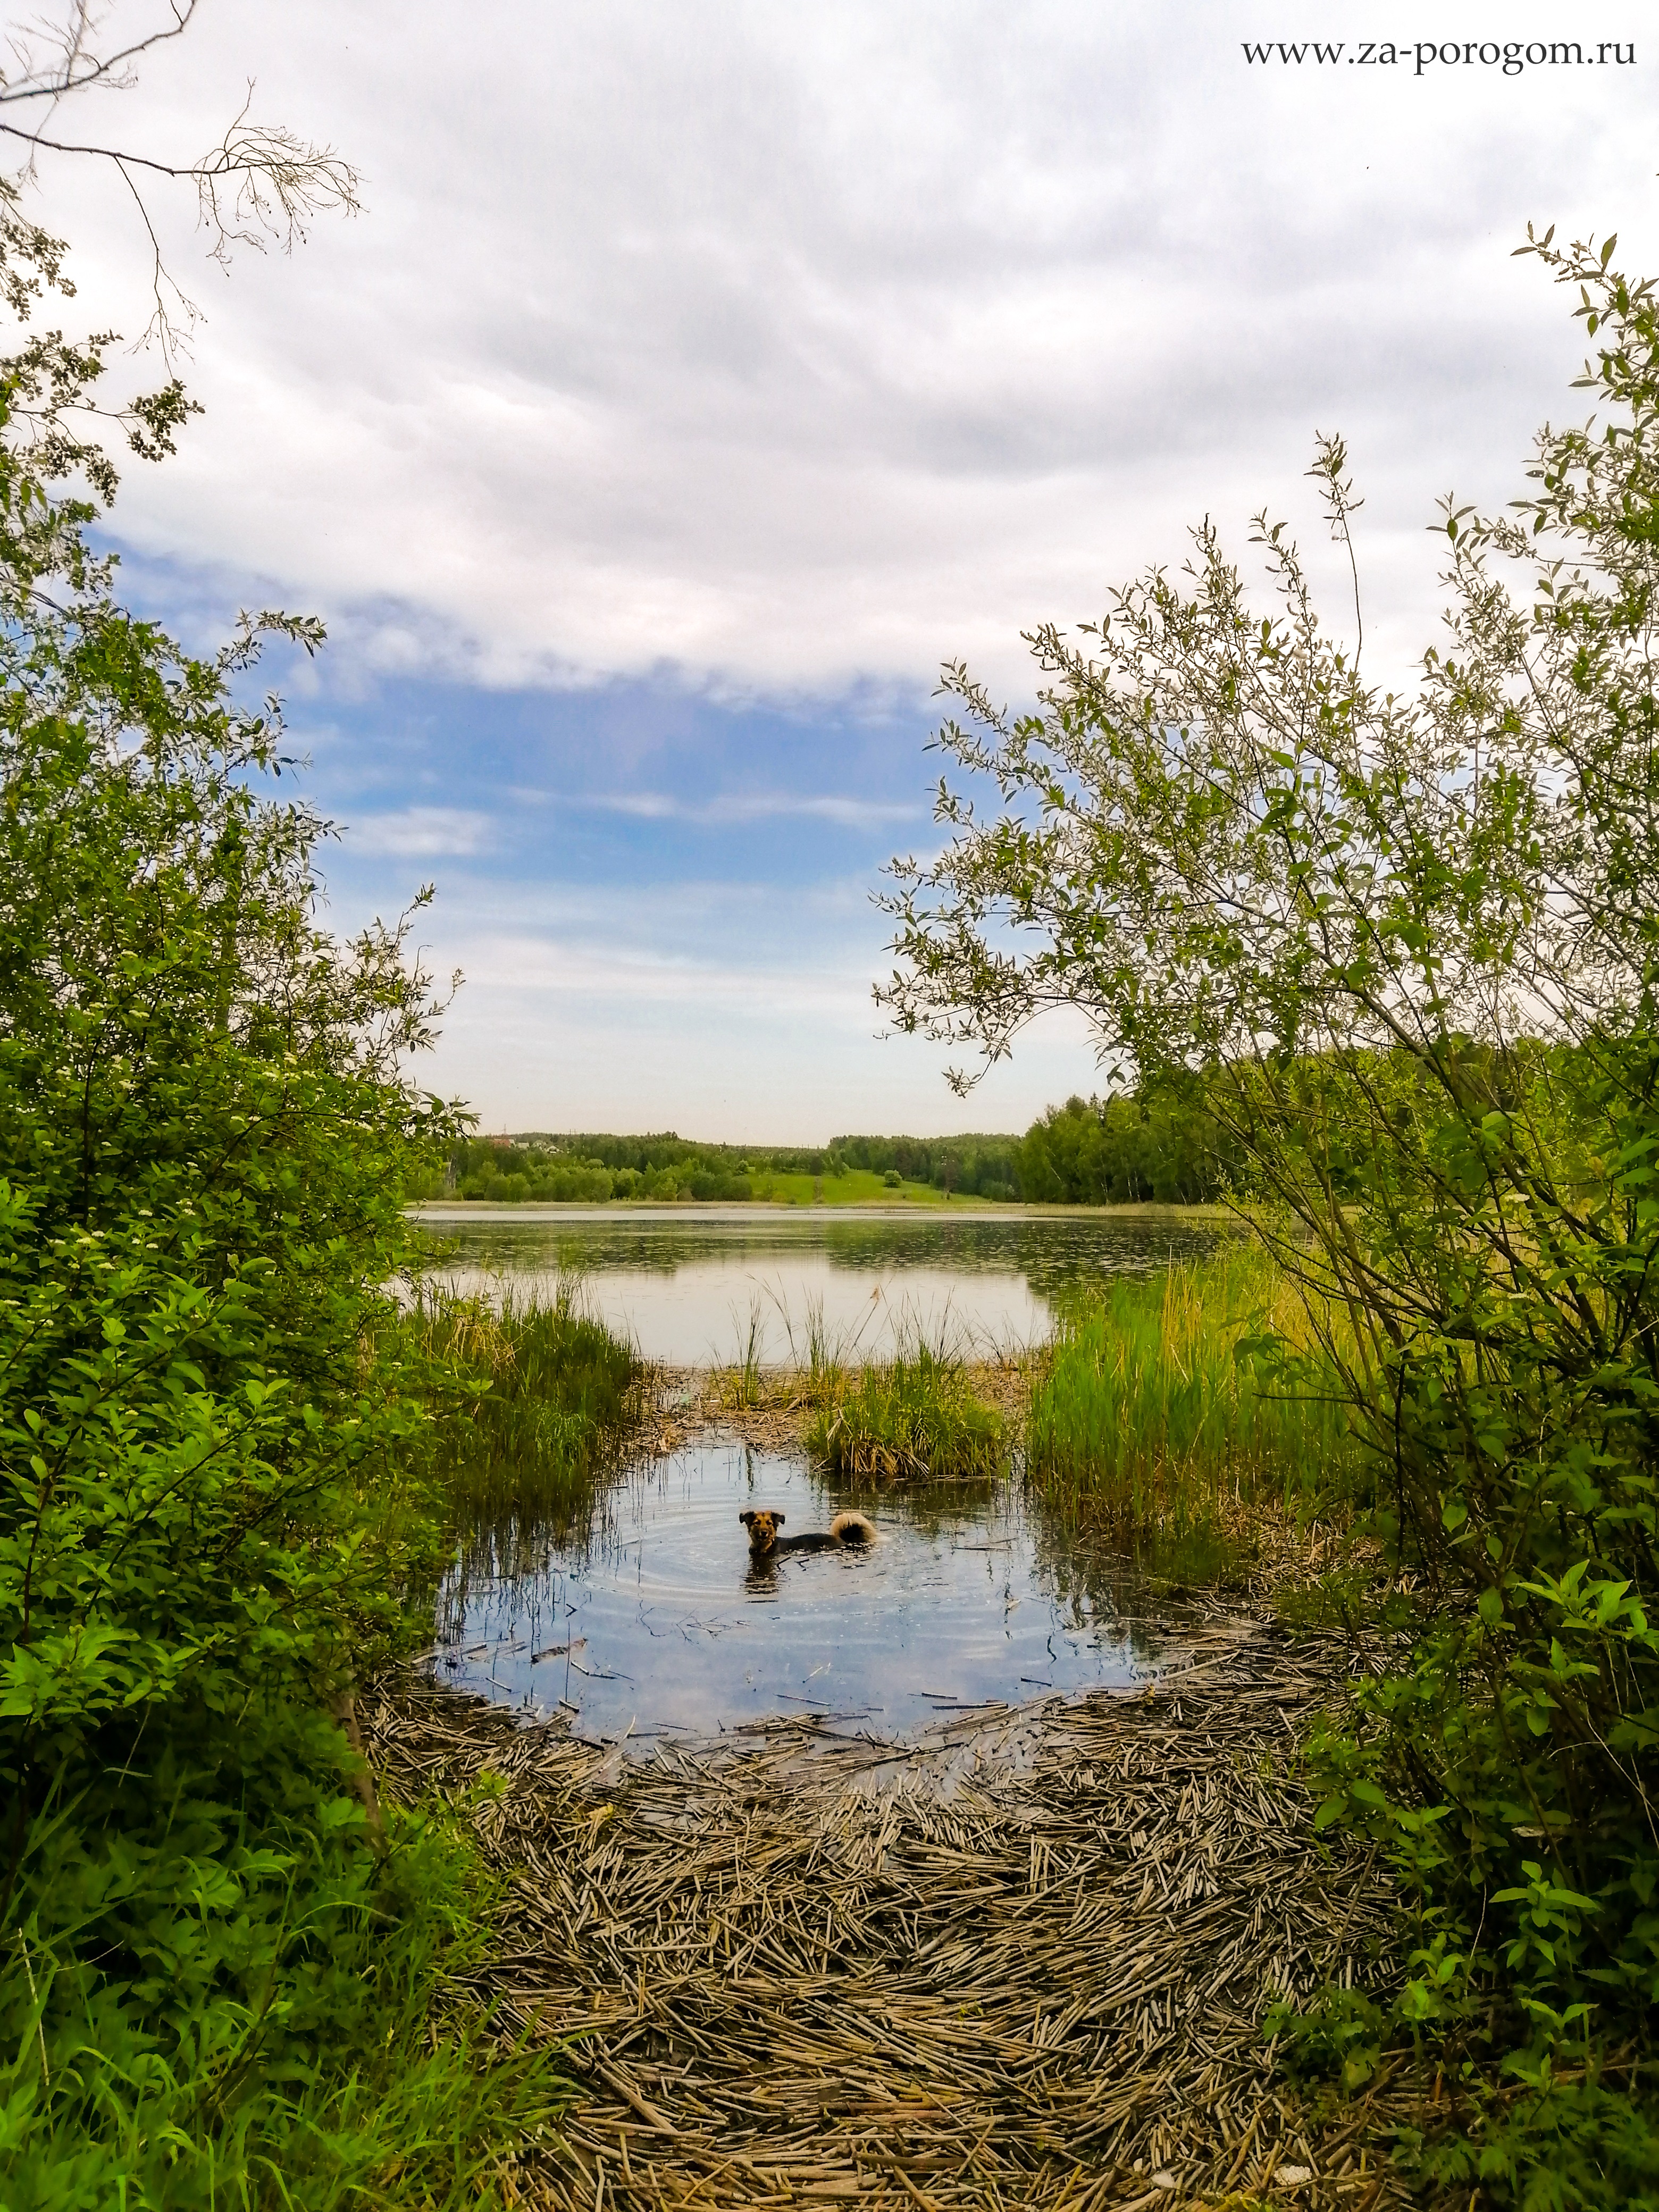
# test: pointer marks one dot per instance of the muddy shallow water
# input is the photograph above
(654, 1623)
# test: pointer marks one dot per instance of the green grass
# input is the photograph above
(539, 1394)
(406, 2098)
(857, 1187)
(911, 1417)
(1152, 1419)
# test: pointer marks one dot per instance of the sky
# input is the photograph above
(702, 375)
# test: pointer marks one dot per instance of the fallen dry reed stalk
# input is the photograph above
(1023, 1962)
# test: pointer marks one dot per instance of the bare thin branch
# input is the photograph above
(160, 326)
(260, 181)
(260, 184)
(76, 66)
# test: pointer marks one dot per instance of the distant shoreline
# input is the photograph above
(666, 1209)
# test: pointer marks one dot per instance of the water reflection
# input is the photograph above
(687, 1286)
(649, 1620)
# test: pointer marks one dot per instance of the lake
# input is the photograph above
(688, 1287)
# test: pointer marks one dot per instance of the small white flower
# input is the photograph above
(1294, 2176)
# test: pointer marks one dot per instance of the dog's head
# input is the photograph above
(763, 1526)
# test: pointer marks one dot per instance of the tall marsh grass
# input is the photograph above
(540, 1393)
(1157, 1411)
(829, 1358)
(818, 1360)
(742, 1382)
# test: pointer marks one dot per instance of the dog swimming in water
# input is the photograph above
(846, 1530)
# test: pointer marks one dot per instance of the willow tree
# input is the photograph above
(1411, 940)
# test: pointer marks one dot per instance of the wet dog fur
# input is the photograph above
(852, 1529)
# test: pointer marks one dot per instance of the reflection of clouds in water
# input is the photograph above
(970, 1596)
(687, 1289)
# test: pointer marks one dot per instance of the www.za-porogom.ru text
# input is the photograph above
(1511, 57)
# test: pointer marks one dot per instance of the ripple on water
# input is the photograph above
(653, 1621)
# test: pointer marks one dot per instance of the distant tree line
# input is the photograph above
(1095, 1151)
(978, 1166)
(588, 1170)
(1121, 1150)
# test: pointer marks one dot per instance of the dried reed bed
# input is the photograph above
(1022, 1963)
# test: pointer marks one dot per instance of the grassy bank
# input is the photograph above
(1156, 1416)
(856, 1186)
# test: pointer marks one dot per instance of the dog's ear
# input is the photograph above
(747, 1519)
(779, 1518)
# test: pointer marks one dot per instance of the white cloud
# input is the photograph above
(740, 807)
(783, 346)
(649, 977)
(754, 351)
(422, 833)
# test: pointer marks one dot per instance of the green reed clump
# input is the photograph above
(1158, 1406)
(830, 1354)
(535, 1392)
(743, 1382)
(911, 1416)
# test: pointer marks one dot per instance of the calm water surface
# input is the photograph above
(652, 1622)
(687, 1287)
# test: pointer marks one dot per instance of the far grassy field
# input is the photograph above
(857, 1187)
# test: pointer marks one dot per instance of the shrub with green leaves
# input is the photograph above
(214, 1490)
(1408, 940)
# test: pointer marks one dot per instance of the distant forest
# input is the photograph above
(1089, 1152)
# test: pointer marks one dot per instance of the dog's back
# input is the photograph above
(848, 1529)
(852, 1530)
